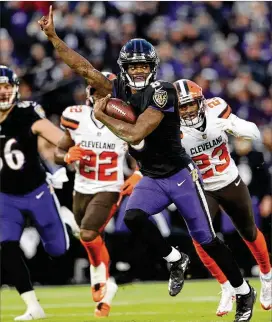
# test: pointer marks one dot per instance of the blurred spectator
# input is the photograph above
(224, 46)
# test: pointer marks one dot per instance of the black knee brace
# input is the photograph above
(135, 217)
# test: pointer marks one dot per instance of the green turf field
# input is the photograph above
(147, 302)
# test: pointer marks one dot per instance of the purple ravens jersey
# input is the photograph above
(20, 166)
(160, 154)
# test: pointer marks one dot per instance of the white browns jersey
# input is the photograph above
(209, 149)
(101, 169)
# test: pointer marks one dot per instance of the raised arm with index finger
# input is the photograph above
(74, 60)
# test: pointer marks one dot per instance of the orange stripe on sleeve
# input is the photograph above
(226, 113)
(68, 123)
(181, 135)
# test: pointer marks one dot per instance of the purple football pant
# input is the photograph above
(184, 189)
(42, 206)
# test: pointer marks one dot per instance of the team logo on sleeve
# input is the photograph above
(40, 111)
(160, 97)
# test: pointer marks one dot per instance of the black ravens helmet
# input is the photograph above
(8, 98)
(138, 51)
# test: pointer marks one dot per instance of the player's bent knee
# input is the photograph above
(88, 235)
(203, 239)
(249, 233)
(135, 217)
(212, 245)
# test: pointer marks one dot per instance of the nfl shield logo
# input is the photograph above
(204, 136)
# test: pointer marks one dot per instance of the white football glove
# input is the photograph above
(225, 125)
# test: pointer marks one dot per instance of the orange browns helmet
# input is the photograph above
(90, 90)
(191, 102)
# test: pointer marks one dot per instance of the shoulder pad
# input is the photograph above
(25, 104)
(218, 107)
(162, 84)
(34, 106)
(72, 115)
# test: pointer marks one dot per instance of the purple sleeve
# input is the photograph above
(165, 109)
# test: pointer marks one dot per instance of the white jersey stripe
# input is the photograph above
(203, 200)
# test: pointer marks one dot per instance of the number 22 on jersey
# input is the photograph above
(101, 167)
(203, 161)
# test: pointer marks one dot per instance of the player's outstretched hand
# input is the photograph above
(224, 125)
(100, 106)
(130, 183)
(47, 24)
(75, 153)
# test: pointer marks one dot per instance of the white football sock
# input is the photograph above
(243, 289)
(173, 256)
(98, 274)
(226, 285)
(266, 276)
(30, 299)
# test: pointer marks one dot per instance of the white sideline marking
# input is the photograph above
(121, 303)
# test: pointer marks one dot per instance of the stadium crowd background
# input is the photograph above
(226, 47)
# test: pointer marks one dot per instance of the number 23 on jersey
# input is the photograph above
(207, 168)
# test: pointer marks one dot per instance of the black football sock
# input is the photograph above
(14, 265)
(225, 260)
(138, 223)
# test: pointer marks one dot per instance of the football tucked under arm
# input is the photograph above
(119, 110)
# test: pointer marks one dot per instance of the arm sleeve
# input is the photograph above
(244, 129)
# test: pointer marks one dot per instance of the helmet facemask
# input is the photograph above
(192, 113)
(191, 102)
(132, 82)
(89, 96)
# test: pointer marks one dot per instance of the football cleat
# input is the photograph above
(99, 291)
(36, 313)
(98, 281)
(226, 301)
(266, 293)
(177, 270)
(102, 310)
(244, 306)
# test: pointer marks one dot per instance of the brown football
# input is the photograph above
(120, 110)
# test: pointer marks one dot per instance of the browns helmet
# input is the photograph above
(191, 102)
